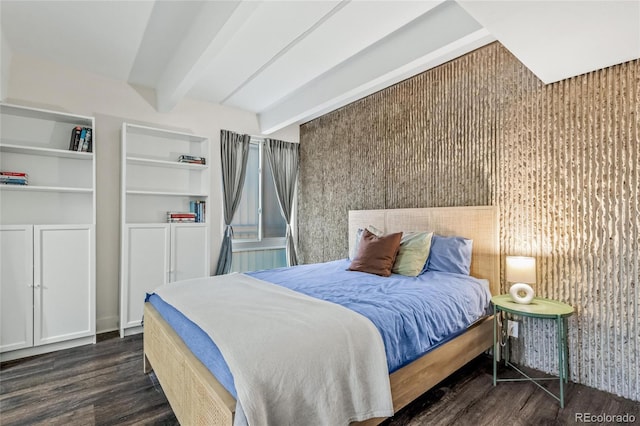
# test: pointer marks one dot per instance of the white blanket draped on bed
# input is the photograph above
(295, 359)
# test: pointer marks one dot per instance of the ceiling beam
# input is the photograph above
(438, 36)
(214, 26)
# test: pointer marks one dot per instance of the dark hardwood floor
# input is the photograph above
(103, 384)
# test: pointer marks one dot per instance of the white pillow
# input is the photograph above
(375, 231)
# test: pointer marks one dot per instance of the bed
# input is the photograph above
(197, 397)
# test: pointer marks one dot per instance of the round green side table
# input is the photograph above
(538, 308)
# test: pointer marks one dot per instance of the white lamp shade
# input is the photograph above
(521, 269)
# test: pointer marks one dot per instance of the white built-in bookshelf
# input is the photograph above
(154, 182)
(47, 233)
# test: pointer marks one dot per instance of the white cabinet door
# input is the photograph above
(16, 287)
(64, 283)
(146, 268)
(189, 251)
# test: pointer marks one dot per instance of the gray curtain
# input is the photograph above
(234, 151)
(284, 160)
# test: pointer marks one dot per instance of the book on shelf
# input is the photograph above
(75, 138)
(192, 159)
(83, 134)
(198, 207)
(14, 178)
(86, 146)
(13, 181)
(181, 217)
(196, 213)
(81, 139)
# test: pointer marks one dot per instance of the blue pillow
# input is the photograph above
(450, 254)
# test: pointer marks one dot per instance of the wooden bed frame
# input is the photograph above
(197, 398)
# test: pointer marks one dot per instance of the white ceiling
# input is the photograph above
(562, 39)
(291, 61)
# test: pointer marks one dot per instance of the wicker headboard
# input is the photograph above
(479, 223)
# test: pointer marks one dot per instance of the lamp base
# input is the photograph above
(521, 293)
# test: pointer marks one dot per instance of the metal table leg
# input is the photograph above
(561, 354)
(566, 350)
(495, 342)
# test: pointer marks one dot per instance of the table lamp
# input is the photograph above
(521, 271)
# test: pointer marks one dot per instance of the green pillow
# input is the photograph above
(413, 253)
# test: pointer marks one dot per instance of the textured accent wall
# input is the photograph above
(561, 161)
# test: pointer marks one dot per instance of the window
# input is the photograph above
(259, 229)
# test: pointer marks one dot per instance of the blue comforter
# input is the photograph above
(413, 314)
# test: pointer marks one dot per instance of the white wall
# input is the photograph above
(43, 84)
(5, 62)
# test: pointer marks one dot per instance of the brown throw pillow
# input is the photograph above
(376, 254)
